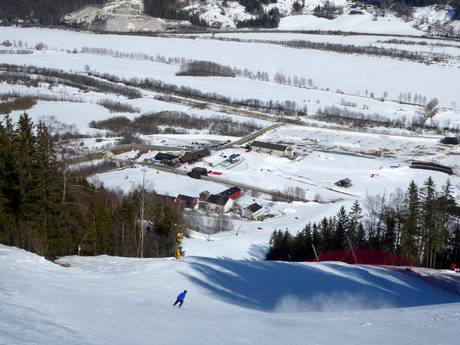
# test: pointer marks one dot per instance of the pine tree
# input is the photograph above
(341, 230)
(45, 188)
(161, 8)
(429, 235)
(455, 241)
(280, 245)
(327, 239)
(360, 240)
(102, 224)
(355, 216)
(6, 233)
(126, 221)
(444, 207)
(302, 245)
(389, 236)
(316, 239)
(411, 218)
(24, 146)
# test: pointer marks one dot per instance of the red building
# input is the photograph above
(232, 193)
(188, 201)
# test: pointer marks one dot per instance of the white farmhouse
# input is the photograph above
(272, 149)
(254, 212)
(220, 203)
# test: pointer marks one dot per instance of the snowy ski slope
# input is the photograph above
(119, 301)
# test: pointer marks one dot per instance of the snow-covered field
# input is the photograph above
(422, 44)
(78, 108)
(352, 74)
(108, 300)
(401, 147)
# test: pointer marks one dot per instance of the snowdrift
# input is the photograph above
(108, 300)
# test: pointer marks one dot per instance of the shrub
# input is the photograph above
(118, 107)
(205, 69)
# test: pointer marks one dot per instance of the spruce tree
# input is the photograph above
(327, 239)
(126, 221)
(5, 157)
(316, 239)
(47, 205)
(411, 222)
(430, 235)
(24, 147)
(360, 240)
(355, 216)
(341, 230)
(161, 8)
(302, 245)
(389, 236)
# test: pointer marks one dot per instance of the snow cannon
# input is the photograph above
(179, 238)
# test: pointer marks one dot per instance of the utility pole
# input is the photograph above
(238, 231)
(352, 250)
(314, 251)
(123, 238)
(142, 212)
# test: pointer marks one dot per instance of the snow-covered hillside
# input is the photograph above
(108, 300)
(350, 16)
(120, 16)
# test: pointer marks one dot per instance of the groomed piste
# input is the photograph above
(110, 300)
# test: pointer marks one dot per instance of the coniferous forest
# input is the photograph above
(48, 207)
(420, 226)
(44, 12)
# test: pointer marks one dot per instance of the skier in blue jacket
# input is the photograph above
(180, 298)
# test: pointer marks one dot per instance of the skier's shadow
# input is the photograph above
(291, 287)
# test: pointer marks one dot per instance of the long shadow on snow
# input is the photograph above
(291, 287)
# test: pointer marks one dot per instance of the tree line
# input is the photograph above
(205, 69)
(327, 10)
(33, 76)
(9, 103)
(421, 225)
(255, 6)
(47, 207)
(398, 4)
(344, 116)
(269, 19)
(173, 122)
(171, 9)
(420, 57)
(44, 12)
(288, 108)
(187, 66)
